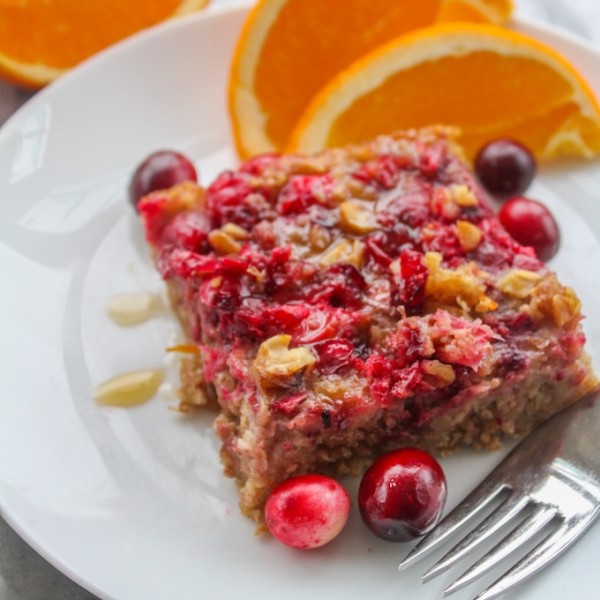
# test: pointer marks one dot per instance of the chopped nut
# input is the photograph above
(362, 153)
(439, 370)
(486, 304)
(274, 178)
(360, 190)
(462, 195)
(235, 231)
(344, 251)
(356, 218)
(216, 282)
(319, 238)
(443, 204)
(565, 306)
(184, 348)
(518, 283)
(463, 286)
(130, 389)
(395, 266)
(552, 300)
(132, 309)
(256, 273)
(348, 388)
(469, 235)
(339, 192)
(306, 165)
(278, 365)
(223, 243)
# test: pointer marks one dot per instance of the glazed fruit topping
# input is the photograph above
(531, 224)
(505, 168)
(307, 511)
(402, 494)
(159, 171)
(336, 254)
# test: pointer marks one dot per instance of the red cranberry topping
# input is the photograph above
(379, 372)
(383, 170)
(307, 511)
(159, 171)
(289, 404)
(334, 355)
(511, 361)
(531, 224)
(188, 230)
(505, 167)
(302, 191)
(342, 285)
(257, 165)
(499, 250)
(232, 198)
(402, 494)
(413, 278)
(433, 161)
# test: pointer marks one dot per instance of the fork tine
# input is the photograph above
(540, 517)
(511, 507)
(473, 504)
(546, 551)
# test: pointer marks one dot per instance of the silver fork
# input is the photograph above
(549, 485)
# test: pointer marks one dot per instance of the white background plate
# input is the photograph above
(132, 503)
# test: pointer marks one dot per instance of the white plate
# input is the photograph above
(132, 503)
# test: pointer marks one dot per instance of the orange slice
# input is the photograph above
(289, 49)
(41, 39)
(489, 81)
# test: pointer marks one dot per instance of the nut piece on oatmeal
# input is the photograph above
(344, 251)
(278, 365)
(356, 218)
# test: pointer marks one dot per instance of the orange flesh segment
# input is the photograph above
(285, 89)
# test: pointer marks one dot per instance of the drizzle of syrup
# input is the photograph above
(132, 309)
(129, 389)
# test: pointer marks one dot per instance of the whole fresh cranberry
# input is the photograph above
(307, 511)
(505, 168)
(530, 223)
(160, 171)
(402, 494)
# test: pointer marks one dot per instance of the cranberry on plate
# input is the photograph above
(402, 494)
(505, 168)
(307, 511)
(160, 170)
(531, 224)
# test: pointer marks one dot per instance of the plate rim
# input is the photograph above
(9, 513)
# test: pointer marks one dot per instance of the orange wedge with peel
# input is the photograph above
(488, 81)
(41, 39)
(289, 49)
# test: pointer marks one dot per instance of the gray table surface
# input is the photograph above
(24, 574)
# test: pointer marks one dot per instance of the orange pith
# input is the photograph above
(40, 39)
(290, 48)
(488, 81)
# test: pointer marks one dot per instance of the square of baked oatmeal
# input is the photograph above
(360, 299)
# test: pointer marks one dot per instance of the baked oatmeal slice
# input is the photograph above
(358, 300)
